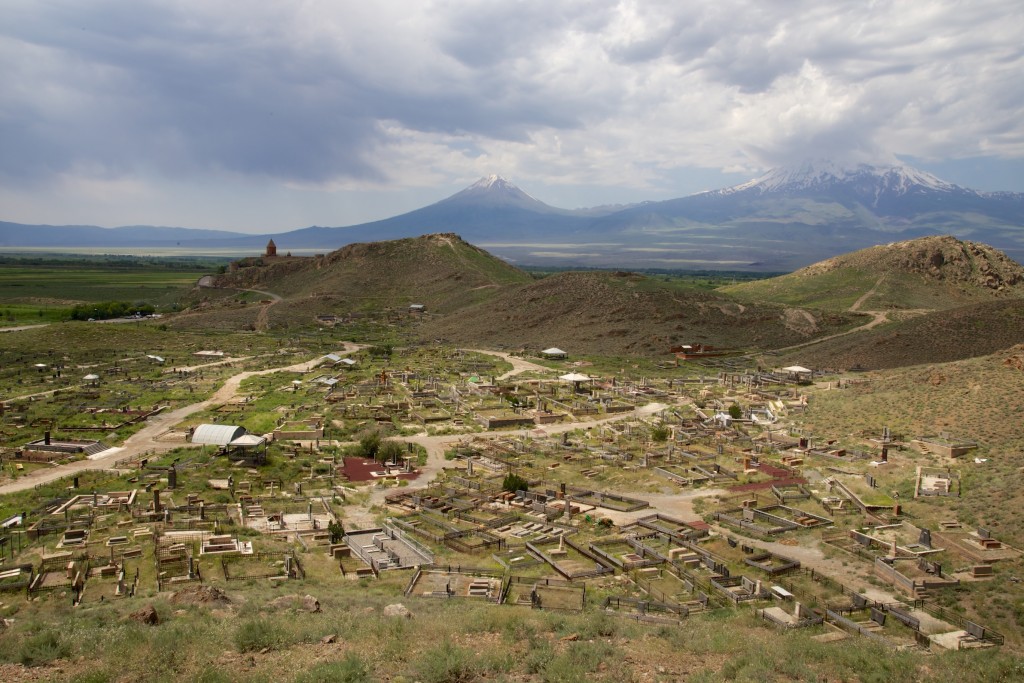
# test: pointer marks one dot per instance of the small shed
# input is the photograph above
(577, 379)
(217, 435)
(798, 373)
(554, 353)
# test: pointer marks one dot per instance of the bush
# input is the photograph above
(255, 635)
(369, 444)
(447, 663)
(388, 450)
(513, 483)
(42, 648)
(352, 669)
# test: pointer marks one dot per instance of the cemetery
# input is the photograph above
(630, 497)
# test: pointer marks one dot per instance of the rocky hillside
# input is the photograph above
(626, 313)
(925, 273)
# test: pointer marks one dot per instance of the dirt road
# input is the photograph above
(146, 440)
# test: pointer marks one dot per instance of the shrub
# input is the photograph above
(446, 663)
(351, 669)
(255, 635)
(513, 482)
(42, 648)
(369, 444)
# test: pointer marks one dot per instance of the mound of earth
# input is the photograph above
(199, 595)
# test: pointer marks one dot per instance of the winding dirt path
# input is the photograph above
(878, 317)
(519, 365)
(262, 318)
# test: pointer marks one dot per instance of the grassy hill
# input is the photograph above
(441, 271)
(926, 273)
(627, 313)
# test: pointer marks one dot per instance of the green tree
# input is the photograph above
(735, 412)
(369, 444)
(389, 450)
(513, 482)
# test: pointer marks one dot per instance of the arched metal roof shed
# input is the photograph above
(217, 435)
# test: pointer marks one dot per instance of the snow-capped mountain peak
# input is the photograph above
(866, 179)
(493, 190)
(490, 181)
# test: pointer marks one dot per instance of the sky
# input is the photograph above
(263, 115)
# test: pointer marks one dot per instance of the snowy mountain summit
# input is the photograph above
(869, 182)
(495, 191)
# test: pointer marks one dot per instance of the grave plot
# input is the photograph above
(979, 546)
(224, 545)
(546, 593)
(796, 616)
(526, 530)
(387, 547)
(262, 565)
(60, 571)
(432, 525)
(770, 520)
(786, 493)
(174, 560)
(739, 589)
(769, 475)
(644, 609)
(936, 482)
(670, 585)
(110, 582)
(624, 553)
(754, 521)
(359, 470)
(15, 578)
(568, 559)
(490, 516)
(516, 558)
(112, 500)
(771, 564)
(896, 540)
(873, 621)
(282, 515)
(604, 499)
(477, 584)
(676, 529)
(914, 576)
(348, 563)
(863, 495)
(658, 544)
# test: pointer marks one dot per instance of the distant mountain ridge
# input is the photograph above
(786, 219)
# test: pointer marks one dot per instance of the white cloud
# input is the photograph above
(327, 97)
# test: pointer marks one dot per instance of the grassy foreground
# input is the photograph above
(248, 640)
